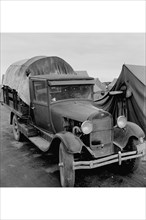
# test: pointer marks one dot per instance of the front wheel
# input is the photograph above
(67, 173)
(132, 164)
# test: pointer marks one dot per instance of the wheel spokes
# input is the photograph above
(16, 126)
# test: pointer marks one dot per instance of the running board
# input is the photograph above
(28, 130)
(40, 142)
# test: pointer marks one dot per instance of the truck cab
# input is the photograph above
(50, 94)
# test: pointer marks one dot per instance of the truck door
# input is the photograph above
(39, 97)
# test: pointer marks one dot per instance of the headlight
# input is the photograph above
(121, 121)
(87, 127)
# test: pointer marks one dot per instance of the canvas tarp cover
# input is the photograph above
(134, 78)
(17, 75)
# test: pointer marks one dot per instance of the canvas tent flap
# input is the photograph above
(17, 75)
(134, 78)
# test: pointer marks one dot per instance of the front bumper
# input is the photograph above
(111, 159)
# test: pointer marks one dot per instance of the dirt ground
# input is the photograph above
(23, 165)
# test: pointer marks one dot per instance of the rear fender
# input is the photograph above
(121, 136)
(72, 143)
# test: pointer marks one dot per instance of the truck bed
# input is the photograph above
(13, 101)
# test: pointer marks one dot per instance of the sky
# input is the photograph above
(100, 54)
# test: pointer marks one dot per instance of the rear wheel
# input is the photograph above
(16, 132)
(67, 174)
(132, 164)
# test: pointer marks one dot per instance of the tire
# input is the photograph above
(17, 134)
(131, 165)
(67, 174)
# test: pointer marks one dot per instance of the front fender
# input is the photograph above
(121, 136)
(72, 143)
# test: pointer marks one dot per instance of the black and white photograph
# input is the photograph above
(73, 112)
(75, 115)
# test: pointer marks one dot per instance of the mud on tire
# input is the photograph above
(16, 132)
(131, 165)
(67, 174)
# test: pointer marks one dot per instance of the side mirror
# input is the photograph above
(115, 93)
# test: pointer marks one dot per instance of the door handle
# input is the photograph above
(32, 107)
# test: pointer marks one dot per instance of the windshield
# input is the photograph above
(71, 92)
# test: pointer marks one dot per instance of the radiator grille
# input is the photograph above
(102, 131)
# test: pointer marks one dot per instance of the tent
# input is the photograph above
(112, 84)
(99, 88)
(132, 102)
(100, 85)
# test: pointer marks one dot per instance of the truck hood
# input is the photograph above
(76, 110)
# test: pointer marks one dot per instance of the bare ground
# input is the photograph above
(23, 165)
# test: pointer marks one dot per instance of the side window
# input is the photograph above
(40, 92)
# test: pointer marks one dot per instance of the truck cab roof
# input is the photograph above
(64, 79)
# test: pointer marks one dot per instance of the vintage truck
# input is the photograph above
(53, 107)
